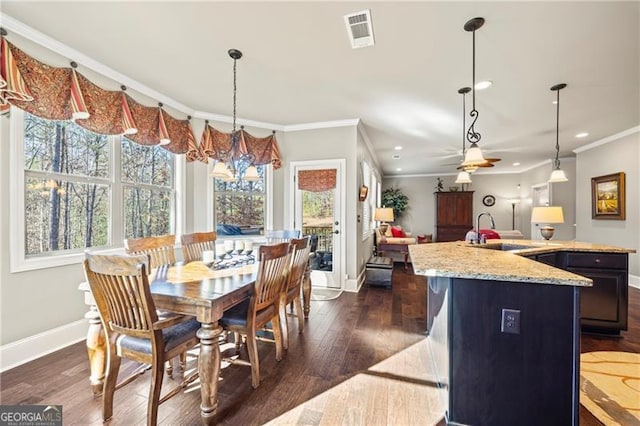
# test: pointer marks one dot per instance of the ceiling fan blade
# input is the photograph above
(483, 165)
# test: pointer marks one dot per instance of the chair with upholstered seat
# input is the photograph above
(262, 307)
(120, 287)
(194, 244)
(292, 294)
(160, 249)
(281, 236)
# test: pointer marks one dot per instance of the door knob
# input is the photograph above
(336, 232)
(336, 223)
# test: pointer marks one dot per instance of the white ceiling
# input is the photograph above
(298, 67)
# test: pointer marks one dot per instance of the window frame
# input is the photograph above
(268, 200)
(19, 262)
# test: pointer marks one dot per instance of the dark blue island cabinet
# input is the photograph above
(505, 353)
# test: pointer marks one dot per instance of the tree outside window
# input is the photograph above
(240, 203)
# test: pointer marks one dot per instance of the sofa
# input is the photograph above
(390, 239)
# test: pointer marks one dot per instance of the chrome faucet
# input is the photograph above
(493, 226)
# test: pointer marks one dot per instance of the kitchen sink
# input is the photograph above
(502, 246)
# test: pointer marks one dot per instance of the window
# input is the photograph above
(367, 210)
(67, 187)
(66, 197)
(241, 203)
(147, 181)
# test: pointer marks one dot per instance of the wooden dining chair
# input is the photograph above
(281, 236)
(160, 249)
(194, 244)
(292, 293)
(248, 317)
(133, 330)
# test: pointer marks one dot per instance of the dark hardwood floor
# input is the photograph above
(343, 339)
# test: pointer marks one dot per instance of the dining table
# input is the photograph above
(191, 289)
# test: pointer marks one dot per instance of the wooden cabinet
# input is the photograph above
(454, 215)
(603, 307)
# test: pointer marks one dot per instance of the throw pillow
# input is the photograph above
(398, 232)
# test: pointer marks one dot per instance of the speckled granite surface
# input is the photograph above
(462, 260)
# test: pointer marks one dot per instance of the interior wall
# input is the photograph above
(622, 155)
(322, 144)
(562, 194)
(34, 301)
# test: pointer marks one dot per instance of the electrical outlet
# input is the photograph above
(510, 321)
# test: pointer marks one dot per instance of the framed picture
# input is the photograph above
(608, 197)
(363, 192)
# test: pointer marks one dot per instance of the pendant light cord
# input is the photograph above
(234, 96)
(557, 162)
(472, 136)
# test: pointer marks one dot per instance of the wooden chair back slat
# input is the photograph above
(194, 244)
(272, 273)
(160, 249)
(120, 288)
(299, 262)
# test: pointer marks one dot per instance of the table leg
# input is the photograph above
(97, 350)
(209, 370)
(406, 258)
(306, 292)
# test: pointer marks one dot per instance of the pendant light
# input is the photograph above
(557, 175)
(463, 176)
(474, 154)
(235, 164)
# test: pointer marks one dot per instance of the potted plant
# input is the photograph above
(394, 198)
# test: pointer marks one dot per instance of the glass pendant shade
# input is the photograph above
(473, 156)
(558, 176)
(251, 174)
(220, 170)
(463, 177)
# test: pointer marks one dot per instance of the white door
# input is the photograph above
(319, 211)
(541, 197)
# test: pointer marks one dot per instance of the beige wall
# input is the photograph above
(621, 155)
(35, 301)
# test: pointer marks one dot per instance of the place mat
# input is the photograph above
(610, 386)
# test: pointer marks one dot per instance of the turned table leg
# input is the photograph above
(97, 350)
(306, 292)
(209, 370)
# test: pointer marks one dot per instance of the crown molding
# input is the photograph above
(227, 119)
(607, 139)
(322, 125)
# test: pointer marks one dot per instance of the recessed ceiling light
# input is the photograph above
(582, 135)
(481, 85)
(396, 156)
(554, 102)
(516, 164)
(398, 148)
(398, 169)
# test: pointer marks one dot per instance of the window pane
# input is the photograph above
(61, 215)
(240, 209)
(240, 202)
(150, 165)
(64, 147)
(147, 212)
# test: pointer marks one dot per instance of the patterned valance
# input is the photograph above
(214, 144)
(65, 94)
(317, 180)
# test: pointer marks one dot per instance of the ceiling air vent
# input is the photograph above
(359, 29)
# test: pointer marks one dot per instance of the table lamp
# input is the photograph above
(384, 215)
(547, 215)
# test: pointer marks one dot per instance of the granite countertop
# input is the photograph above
(463, 260)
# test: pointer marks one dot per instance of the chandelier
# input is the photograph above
(235, 164)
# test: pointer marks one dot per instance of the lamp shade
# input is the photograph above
(550, 214)
(463, 177)
(557, 176)
(220, 170)
(473, 156)
(251, 174)
(384, 214)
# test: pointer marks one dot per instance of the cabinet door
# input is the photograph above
(446, 205)
(604, 304)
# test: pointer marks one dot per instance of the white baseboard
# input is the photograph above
(22, 351)
(634, 281)
(353, 285)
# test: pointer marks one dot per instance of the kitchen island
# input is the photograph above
(504, 334)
